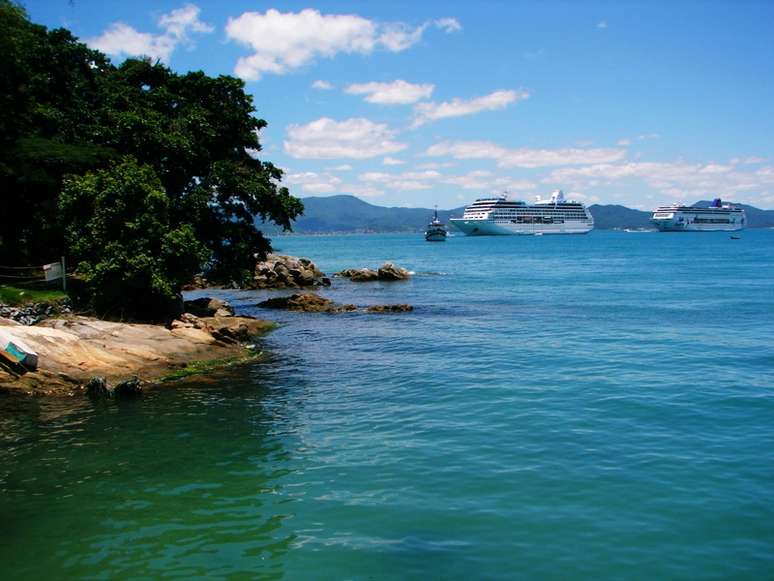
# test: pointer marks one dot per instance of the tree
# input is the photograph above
(65, 110)
(133, 260)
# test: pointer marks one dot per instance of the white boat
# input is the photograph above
(719, 217)
(436, 231)
(501, 216)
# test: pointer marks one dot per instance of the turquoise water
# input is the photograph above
(591, 407)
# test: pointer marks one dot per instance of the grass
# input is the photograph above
(15, 296)
(201, 367)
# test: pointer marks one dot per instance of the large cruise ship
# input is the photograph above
(718, 217)
(498, 215)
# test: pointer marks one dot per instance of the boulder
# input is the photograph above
(400, 308)
(97, 388)
(387, 272)
(235, 329)
(279, 271)
(128, 389)
(306, 302)
(208, 307)
(359, 274)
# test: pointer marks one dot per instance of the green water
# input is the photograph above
(571, 407)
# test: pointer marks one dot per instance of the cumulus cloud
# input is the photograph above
(312, 182)
(395, 93)
(392, 161)
(448, 24)
(355, 138)
(679, 180)
(122, 40)
(284, 41)
(322, 85)
(523, 157)
(427, 112)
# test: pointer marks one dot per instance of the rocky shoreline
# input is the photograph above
(85, 355)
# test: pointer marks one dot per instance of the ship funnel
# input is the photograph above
(717, 203)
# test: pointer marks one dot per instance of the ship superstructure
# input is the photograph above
(718, 217)
(501, 216)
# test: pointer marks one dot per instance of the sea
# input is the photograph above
(554, 407)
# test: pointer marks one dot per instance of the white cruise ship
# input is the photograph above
(718, 217)
(498, 216)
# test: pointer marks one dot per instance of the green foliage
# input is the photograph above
(133, 261)
(65, 110)
(15, 296)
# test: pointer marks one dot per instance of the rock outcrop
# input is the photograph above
(279, 271)
(400, 308)
(207, 307)
(74, 350)
(306, 302)
(387, 272)
(310, 303)
(34, 313)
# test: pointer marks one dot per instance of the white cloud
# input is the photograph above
(406, 181)
(524, 157)
(448, 24)
(322, 85)
(747, 160)
(392, 161)
(313, 183)
(680, 180)
(395, 93)
(355, 138)
(426, 112)
(342, 167)
(284, 41)
(602, 24)
(122, 40)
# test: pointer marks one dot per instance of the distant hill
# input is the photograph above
(609, 217)
(351, 214)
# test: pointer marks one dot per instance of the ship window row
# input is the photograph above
(711, 221)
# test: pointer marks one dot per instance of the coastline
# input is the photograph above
(74, 350)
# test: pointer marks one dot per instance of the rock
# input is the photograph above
(97, 388)
(208, 307)
(389, 271)
(34, 313)
(128, 389)
(400, 308)
(198, 282)
(235, 329)
(359, 274)
(306, 302)
(279, 271)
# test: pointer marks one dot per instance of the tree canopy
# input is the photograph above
(66, 110)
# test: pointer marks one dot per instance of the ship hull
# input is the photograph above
(671, 226)
(506, 228)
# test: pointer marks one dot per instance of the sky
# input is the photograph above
(428, 103)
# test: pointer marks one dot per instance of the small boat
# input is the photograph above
(436, 231)
(14, 350)
(735, 238)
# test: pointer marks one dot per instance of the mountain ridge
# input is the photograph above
(349, 214)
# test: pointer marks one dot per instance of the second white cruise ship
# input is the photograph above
(718, 217)
(498, 216)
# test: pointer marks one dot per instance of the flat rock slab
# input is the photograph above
(72, 351)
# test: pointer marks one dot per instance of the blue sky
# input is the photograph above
(417, 104)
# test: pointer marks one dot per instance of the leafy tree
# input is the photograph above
(66, 110)
(132, 259)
